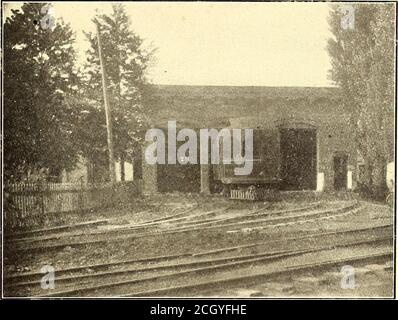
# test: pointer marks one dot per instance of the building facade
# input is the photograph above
(303, 139)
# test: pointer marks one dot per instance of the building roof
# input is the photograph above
(214, 106)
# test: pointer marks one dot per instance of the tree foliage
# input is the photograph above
(39, 76)
(363, 66)
(125, 63)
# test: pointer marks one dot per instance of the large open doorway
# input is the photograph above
(179, 177)
(298, 159)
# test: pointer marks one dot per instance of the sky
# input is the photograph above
(242, 44)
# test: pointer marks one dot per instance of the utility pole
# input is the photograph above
(108, 111)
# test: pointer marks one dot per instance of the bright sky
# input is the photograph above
(248, 44)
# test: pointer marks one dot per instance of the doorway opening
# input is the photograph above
(298, 159)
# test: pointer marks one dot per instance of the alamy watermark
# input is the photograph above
(347, 21)
(227, 142)
(348, 277)
(48, 280)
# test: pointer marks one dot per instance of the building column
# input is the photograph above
(320, 181)
(350, 177)
(205, 179)
(149, 176)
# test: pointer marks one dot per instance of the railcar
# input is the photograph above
(283, 159)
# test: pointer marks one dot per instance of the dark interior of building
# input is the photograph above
(179, 178)
(298, 159)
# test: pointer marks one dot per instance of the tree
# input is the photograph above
(125, 62)
(363, 66)
(39, 76)
(91, 136)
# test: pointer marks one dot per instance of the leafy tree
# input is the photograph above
(125, 63)
(363, 66)
(91, 136)
(39, 76)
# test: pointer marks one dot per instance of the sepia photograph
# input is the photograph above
(204, 150)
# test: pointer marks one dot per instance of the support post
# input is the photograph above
(108, 112)
(149, 175)
(205, 179)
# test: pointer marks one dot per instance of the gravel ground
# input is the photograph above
(376, 282)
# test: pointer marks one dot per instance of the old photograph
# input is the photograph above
(198, 150)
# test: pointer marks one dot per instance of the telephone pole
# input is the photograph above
(108, 112)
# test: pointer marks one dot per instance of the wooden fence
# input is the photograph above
(30, 203)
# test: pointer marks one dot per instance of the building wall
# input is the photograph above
(334, 136)
(264, 108)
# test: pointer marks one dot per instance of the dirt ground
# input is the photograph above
(371, 280)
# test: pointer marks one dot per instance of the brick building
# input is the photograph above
(302, 137)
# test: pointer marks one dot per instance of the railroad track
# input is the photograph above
(368, 233)
(137, 226)
(176, 220)
(55, 229)
(265, 220)
(197, 289)
(169, 268)
(35, 233)
(254, 215)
